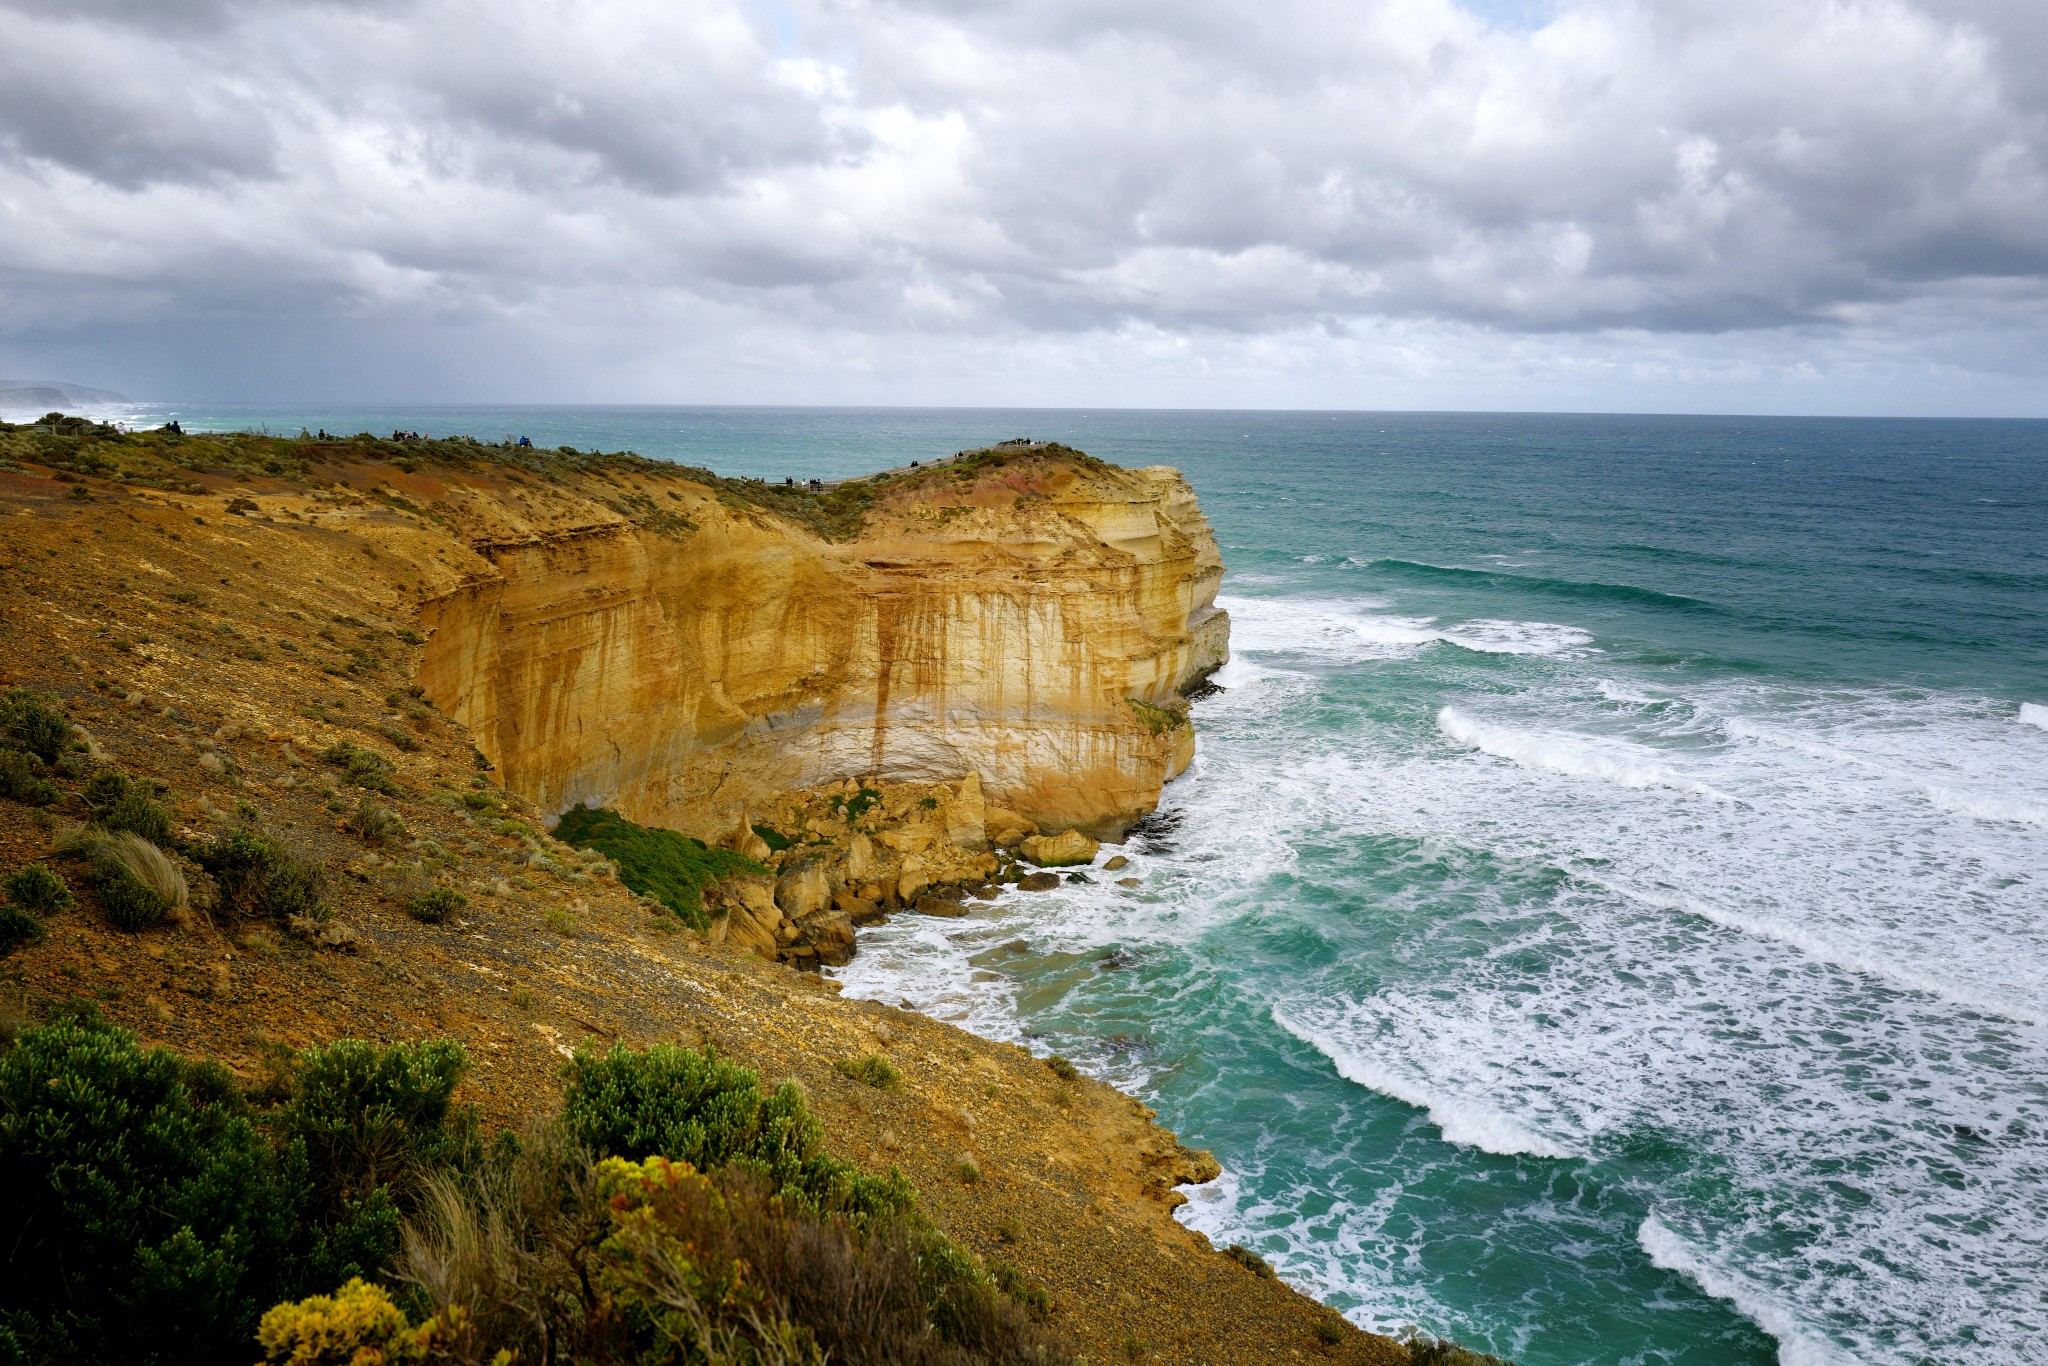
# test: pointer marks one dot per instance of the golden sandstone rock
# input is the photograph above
(989, 628)
(1063, 850)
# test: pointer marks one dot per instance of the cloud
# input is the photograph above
(1046, 184)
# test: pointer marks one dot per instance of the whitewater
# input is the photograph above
(1607, 917)
(1585, 965)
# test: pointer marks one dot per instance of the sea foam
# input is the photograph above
(1461, 1119)
(1797, 1345)
(1351, 630)
(1553, 957)
(1578, 756)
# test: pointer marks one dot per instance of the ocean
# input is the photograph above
(1607, 918)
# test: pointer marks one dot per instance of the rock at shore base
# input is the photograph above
(1063, 850)
(1038, 882)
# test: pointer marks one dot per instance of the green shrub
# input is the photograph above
(870, 1069)
(399, 739)
(105, 788)
(261, 876)
(144, 1216)
(38, 889)
(864, 800)
(674, 869)
(1013, 1282)
(137, 814)
(374, 824)
(35, 722)
(370, 1116)
(773, 838)
(686, 1252)
(364, 768)
(21, 779)
(695, 1107)
(436, 905)
(19, 929)
(1063, 1069)
(1251, 1261)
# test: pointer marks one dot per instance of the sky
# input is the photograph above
(1766, 206)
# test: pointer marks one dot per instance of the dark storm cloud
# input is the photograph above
(1271, 180)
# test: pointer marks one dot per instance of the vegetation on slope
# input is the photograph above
(82, 451)
(153, 1212)
(672, 868)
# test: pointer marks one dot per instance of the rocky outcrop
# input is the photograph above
(1027, 622)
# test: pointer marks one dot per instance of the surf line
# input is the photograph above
(1465, 1122)
(1815, 947)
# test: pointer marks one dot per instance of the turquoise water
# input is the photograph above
(1607, 920)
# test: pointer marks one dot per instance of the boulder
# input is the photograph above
(911, 839)
(1063, 850)
(741, 839)
(1004, 827)
(751, 916)
(861, 864)
(1115, 863)
(863, 912)
(1128, 882)
(912, 880)
(803, 889)
(966, 815)
(1038, 882)
(831, 934)
(940, 906)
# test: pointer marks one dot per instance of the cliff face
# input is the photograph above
(1030, 618)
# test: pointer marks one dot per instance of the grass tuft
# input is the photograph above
(870, 1069)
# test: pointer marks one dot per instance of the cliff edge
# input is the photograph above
(663, 646)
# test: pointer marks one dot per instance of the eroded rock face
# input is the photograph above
(999, 624)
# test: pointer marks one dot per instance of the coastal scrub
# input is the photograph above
(672, 868)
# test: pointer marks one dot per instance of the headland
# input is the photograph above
(409, 660)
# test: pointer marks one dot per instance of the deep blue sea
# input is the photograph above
(1607, 920)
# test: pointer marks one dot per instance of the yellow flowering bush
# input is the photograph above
(358, 1325)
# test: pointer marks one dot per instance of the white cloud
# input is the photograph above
(1638, 203)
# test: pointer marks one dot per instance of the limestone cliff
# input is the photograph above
(663, 647)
